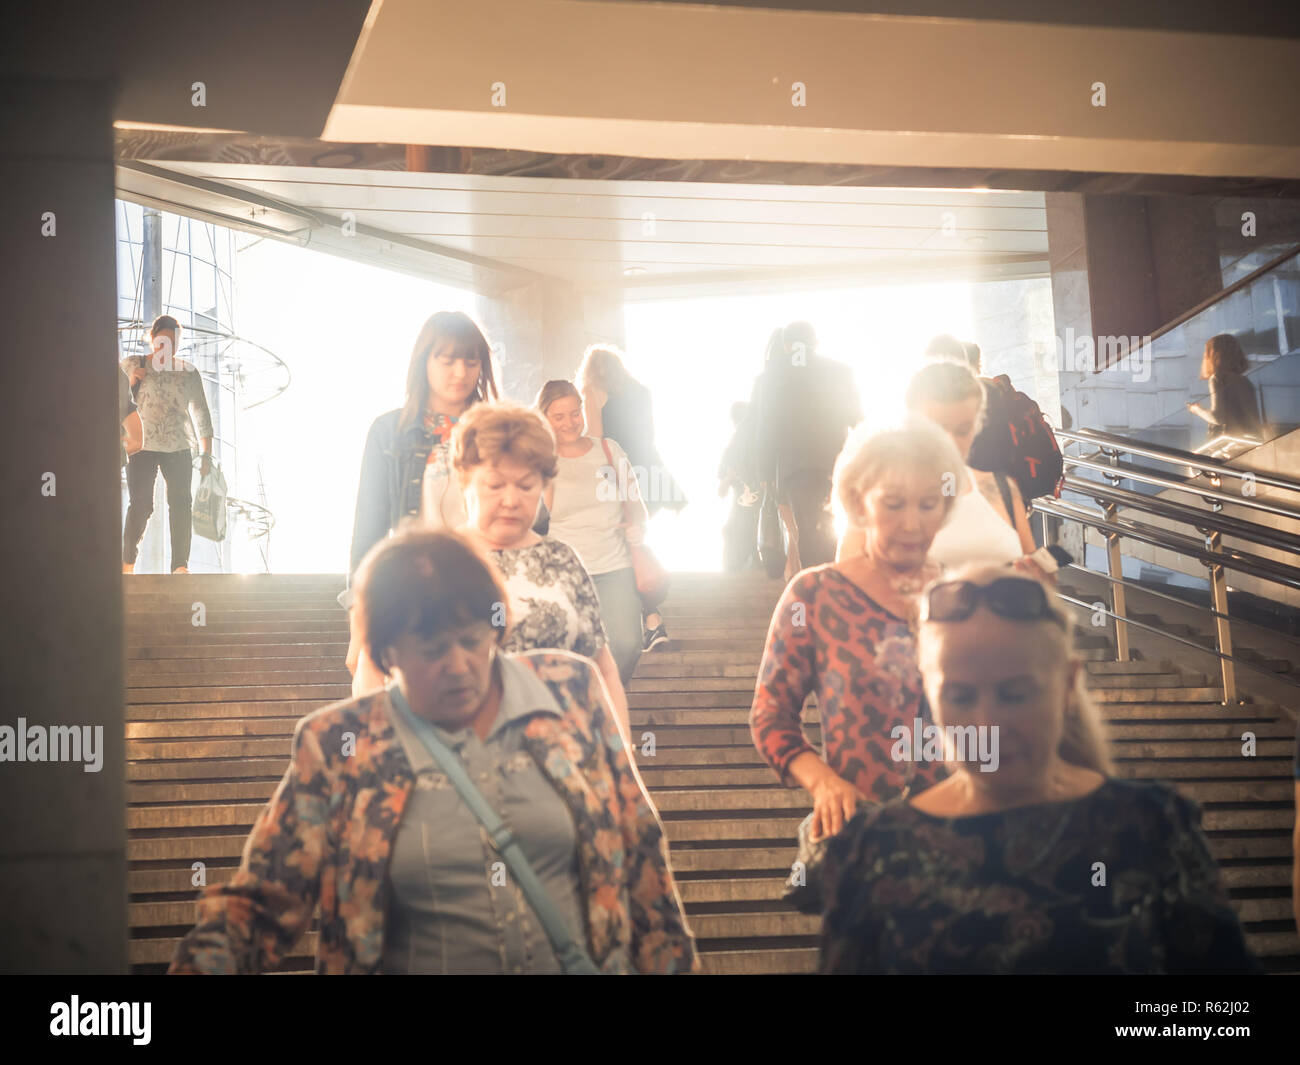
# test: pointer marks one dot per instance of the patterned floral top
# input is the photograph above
(828, 636)
(167, 399)
(442, 500)
(1118, 881)
(553, 601)
(326, 837)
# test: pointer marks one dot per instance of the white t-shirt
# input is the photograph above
(442, 503)
(588, 509)
(975, 533)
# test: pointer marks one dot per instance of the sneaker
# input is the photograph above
(181, 569)
(657, 637)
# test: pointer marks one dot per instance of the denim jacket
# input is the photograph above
(392, 474)
(392, 470)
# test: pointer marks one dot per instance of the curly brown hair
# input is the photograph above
(489, 431)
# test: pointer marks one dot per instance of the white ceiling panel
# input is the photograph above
(643, 234)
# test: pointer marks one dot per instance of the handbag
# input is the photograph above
(652, 580)
(810, 859)
(209, 508)
(574, 960)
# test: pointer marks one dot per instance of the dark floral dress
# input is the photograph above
(553, 602)
(828, 636)
(1118, 881)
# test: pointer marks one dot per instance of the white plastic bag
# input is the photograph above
(210, 505)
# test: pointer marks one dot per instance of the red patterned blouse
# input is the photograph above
(828, 636)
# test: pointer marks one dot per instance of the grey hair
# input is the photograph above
(915, 445)
(1083, 737)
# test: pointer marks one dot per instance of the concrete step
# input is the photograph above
(213, 709)
(335, 673)
(221, 710)
(323, 693)
(762, 814)
(1211, 749)
(1177, 770)
(698, 789)
(306, 654)
(755, 962)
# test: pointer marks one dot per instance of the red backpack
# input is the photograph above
(1017, 440)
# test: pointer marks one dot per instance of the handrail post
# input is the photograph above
(1115, 566)
(1222, 626)
(1119, 598)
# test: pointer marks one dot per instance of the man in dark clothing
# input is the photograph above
(805, 406)
(736, 475)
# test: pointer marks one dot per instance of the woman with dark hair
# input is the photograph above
(1234, 405)
(405, 471)
(601, 524)
(1031, 857)
(616, 405)
(371, 823)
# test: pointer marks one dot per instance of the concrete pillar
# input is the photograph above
(540, 327)
(63, 844)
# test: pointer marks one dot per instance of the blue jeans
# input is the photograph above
(620, 610)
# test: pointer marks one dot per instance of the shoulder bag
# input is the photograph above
(651, 578)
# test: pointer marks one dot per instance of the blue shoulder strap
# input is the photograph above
(573, 959)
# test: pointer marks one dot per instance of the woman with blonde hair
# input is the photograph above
(600, 523)
(1031, 857)
(989, 521)
(845, 630)
(616, 405)
(1234, 405)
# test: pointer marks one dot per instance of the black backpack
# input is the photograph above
(1017, 440)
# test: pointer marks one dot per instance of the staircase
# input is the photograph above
(211, 710)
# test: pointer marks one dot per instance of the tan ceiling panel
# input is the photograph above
(702, 82)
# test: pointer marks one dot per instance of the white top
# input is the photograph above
(975, 533)
(442, 504)
(588, 509)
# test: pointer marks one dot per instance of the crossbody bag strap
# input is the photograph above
(573, 959)
(609, 457)
(1005, 490)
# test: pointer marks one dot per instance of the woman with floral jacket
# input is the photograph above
(365, 826)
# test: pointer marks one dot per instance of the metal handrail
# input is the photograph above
(1109, 442)
(1093, 607)
(1213, 525)
(1112, 471)
(1176, 599)
(1239, 528)
(1265, 569)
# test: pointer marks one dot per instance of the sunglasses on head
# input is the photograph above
(1014, 598)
